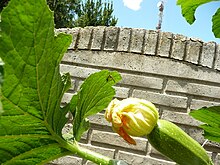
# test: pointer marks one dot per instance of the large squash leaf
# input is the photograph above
(32, 120)
(30, 126)
(211, 117)
(1, 71)
(189, 8)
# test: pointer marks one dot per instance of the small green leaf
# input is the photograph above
(211, 117)
(31, 124)
(189, 7)
(216, 24)
(94, 95)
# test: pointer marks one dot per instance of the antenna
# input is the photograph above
(160, 6)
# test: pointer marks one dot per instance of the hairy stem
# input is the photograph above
(88, 154)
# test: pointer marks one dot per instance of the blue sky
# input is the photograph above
(144, 14)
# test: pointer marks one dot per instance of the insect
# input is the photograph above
(110, 78)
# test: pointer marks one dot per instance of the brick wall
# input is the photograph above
(175, 72)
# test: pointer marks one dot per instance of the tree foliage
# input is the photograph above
(65, 12)
(79, 13)
(94, 13)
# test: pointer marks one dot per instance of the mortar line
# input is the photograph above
(158, 42)
(130, 39)
(117, 39)
(214, 157)
(186, 45)
(171, 45)
(188, 104)
(200, 54)
(90, 39)
(215, 56)
(103, 40)
(143, 43)
(116, 154)
(164, 86)
(89, 136)
(77, 40)
(130, 92)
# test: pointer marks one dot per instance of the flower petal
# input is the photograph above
(125, 136)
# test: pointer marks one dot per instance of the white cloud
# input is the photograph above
(133, 4)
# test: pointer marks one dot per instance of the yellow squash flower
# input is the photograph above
(132, 117)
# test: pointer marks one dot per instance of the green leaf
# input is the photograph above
(1, 71)
(95, 94)
(212, 133)
(31, 124)
(211, 117)
(1, 81)
(216, 24)
(189, 8)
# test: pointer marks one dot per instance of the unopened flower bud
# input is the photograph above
(132, 116)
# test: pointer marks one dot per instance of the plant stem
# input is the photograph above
(74, 147)
(88, 154)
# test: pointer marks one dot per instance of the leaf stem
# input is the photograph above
(88, 154)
